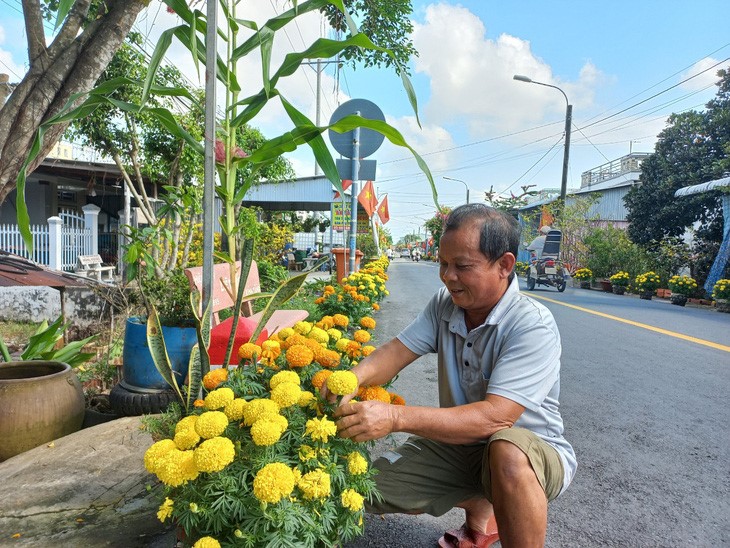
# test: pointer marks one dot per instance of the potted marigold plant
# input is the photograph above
(682, 287)
(721, 294)
(647, 283)
(619, 282)
(584, 276)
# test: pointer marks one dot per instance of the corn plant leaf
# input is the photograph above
(201, 365)
(64, 6)
(43, 340)
(246, 262)
(4, 350)
(158, 351)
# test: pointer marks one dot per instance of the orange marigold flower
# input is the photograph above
(319, 300)
(361, 336)
(326, 323)
(199, 403)
(247, 351)
(329, 289)
(396, 399)
(373, 393)
(291, 340)
(213, 378)
(376, 306)
(328, 358)
(353, 349)
(367, 322)
(367, 350)
(299, 355)
(320, 377)
(340, 320)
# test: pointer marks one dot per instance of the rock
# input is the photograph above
(86, 489)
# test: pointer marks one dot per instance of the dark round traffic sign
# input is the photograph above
(370, 140)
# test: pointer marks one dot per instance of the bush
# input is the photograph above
(684, 285)
(648, 281)
(170, 295)
(721, 289)
(621, 278)
(610, 250)
(583, 274)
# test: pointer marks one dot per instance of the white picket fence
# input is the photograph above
(58, 243)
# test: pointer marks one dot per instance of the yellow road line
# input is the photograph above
(637, 324)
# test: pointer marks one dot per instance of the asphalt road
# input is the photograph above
(645, 401)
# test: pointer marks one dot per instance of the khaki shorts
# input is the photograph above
(424, 476)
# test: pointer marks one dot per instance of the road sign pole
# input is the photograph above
(355, 192)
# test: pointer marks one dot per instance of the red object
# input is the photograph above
(383, 212)
(367, 198)
(221, 333)
(465, 536)
(549, 263)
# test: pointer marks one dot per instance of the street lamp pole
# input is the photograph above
(568, 124)
(463, 183)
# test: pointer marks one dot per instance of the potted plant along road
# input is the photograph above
(721, 294)
(647, 283)
(619, 282)
(682, 287)
(584, 277)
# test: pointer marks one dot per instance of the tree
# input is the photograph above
(84, 45)
(693, 149)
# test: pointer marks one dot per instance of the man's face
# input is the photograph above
(474, 283)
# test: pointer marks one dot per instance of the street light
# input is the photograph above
(463, 183)
(568, 123)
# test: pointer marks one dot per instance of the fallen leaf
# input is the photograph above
(52, 444)
(17, 535)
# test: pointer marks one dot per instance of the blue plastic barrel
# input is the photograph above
(138, 368)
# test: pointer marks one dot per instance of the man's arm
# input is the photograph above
(470, 423)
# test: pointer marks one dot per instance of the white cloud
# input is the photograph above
(8, 65)
(706, 76)
(471, 76)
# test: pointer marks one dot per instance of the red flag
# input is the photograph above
(367, 198)
(383, 212)
(346, 183)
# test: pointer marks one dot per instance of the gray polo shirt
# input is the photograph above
(515, 353)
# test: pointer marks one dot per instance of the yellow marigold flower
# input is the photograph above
(199, 403)
(361, 336)
(270, 350)
(367, 322)
(320, 429)
(305, 398)
(248, 350)
(255, 408)
(284, 376)
(367, 350)
(319, 335)
(265, 432)
(155, 452)
(377, 393)
(299, 356)
(275, 418)
(207, 542)
(193, 508)
(214, 455)
(219, 398)
(285, 333)
(315, 484)
(303, 327)
(273, 482)
(341, 344)
(320, 377)
(356, 463)
(395, 399)
(334, 334)
(376, 306)
(186, 423)
(352, 500)
(186, 439)
(234, 409)
(286, 394)
(211, 424)
(340, 320)
(213, 378)
(342, 382)
(328, 358)
(165, 510)
(307, 453)
(176, 467)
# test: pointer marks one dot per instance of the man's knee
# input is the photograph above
(508, 464)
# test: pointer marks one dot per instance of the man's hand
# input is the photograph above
(366, 420)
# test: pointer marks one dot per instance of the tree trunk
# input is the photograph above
(71, 64)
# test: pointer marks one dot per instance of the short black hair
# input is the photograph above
(500, 231)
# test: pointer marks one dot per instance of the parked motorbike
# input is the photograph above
(548, 272)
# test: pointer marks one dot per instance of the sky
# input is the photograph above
(625, 66)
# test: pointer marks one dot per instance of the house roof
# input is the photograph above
(702, 187)
(303, 194)
(17, 271)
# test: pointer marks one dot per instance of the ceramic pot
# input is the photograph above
(41, 401)
(723, 305)
(618, 289)
(678, 299)
(585, 285)
(646, 295)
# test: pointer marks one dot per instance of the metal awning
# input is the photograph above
(702, 187)
(303, 194)
(17, 271)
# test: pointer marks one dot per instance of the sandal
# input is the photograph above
(465, 537)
